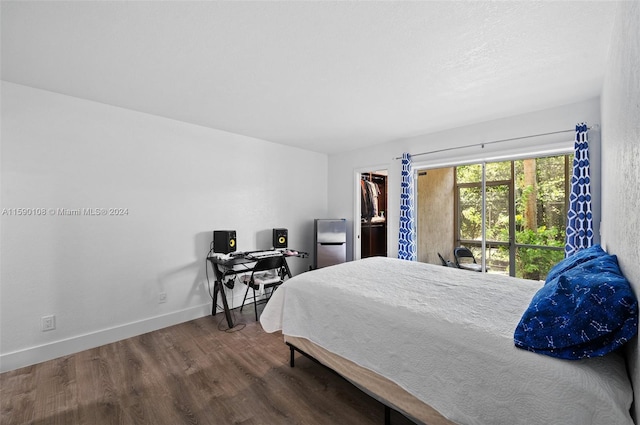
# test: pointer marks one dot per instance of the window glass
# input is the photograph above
(551, 192)
(527, 226)
(469, 173)
(540, 201)
(497, 215)
(535, 263)
(497, 259)
(498, 171)
(470, 217)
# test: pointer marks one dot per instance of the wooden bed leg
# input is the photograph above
(387, 415)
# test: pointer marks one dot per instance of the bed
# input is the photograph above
(437, 344)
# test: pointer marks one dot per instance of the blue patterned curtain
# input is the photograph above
(579, 216)
(406, 237)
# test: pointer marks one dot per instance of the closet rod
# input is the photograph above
(497, 141)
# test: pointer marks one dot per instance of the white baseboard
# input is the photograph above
(64, 347)
(41, 353)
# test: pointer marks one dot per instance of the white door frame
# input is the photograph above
(357, 211)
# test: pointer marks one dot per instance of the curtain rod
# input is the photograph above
(498, 141)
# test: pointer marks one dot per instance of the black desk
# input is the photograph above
(226, 267)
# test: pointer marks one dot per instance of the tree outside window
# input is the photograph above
(525, 210)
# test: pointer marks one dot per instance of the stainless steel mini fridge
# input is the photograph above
(330, 242)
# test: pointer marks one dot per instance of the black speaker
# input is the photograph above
(224, 241)
(280, 238)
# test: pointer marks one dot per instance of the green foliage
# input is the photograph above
(469, 173)
(470, 213)
(531, 263)
(535, 263)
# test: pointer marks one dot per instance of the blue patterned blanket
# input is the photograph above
(585, 309)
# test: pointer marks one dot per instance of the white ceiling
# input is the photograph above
(325, 76)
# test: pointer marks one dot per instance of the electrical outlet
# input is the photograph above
(162, 297)
(48, 323)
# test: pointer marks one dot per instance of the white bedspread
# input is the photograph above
(446, 336)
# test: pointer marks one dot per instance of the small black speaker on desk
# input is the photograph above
(224, 241)
(280, 238)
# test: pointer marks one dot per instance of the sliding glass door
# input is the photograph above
(498, 211)
(512, 215)
(514, 218)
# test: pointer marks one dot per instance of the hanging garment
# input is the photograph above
(365, 201)
(374, 192)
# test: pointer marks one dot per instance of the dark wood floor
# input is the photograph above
(192, 373)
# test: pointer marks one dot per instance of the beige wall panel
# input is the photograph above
(435, 215)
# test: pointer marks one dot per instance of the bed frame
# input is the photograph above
(414, 390)
(391, 395)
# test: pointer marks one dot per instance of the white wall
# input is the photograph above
(343, 167)
(101, 275)
(621, 158)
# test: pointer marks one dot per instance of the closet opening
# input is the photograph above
(373, 214)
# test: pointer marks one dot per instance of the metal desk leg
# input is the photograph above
(286, 268)
(219, 286)
(227, 312)
(216, 288)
